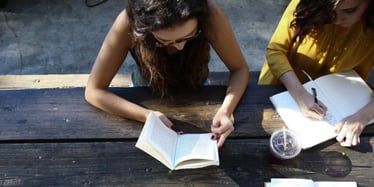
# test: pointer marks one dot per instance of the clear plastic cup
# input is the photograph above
(284, 144)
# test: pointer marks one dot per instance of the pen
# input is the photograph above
(315, 95)
(313, 89)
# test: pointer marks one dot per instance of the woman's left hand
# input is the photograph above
(349, 130)
(222, 126)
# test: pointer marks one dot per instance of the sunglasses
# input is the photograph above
(160, 44)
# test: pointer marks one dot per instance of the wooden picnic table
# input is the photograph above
(53, 137)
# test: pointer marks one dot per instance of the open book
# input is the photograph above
(177, 151)
(343, 93)
(294, 182)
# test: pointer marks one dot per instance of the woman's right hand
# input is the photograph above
(164, 119)
(310, 108)
(305, 100)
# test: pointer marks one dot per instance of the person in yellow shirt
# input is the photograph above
(323, 37)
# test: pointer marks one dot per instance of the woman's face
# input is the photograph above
(349, 12)
(177, 36)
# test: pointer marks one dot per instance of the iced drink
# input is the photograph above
(284, 144)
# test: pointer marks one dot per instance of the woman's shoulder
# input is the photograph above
(290, 9)
(215, 20)
(212, 4)
(123, 20)
(121, 27)
(214, 8)
(216, 14)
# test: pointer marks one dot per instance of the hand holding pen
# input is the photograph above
(314, 108)
(314, 91)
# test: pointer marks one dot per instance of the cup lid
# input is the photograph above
(285, 144)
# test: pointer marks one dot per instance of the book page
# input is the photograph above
(335, 184)
(311, 132)
(333, 116)
(298, 182)
(291, 182)
(347, 91)
(196, 150)
(158, 140)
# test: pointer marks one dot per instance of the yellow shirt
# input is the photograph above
(333, 49)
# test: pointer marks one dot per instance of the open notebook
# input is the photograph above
(343, 93)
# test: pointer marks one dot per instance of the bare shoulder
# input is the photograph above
(219, 24)
(221, 36)
(121, 28)
(123, 19)
(214, 8)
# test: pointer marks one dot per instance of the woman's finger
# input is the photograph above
(342, 134)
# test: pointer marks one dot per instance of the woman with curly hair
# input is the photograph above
(323, 37)
(170, 41)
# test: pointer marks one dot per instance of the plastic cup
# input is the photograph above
(284, 144)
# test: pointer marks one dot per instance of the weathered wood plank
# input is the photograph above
(249, 162)
(12, 82)
(98, 164)
(244, 162)
(64, 114)
(15, 82)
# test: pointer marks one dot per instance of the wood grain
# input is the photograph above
(53, 137)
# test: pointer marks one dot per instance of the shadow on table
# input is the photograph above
(332, 163)
(249, 162)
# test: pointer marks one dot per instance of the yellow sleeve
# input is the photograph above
(277, 62)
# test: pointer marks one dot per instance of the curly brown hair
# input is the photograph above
(147, 16)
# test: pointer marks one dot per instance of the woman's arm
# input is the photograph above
(278, 66)
(224, 43)
(304, 99)
(111, 56)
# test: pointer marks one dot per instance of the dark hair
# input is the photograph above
(311, 14)
(369, 15)
(147, 16)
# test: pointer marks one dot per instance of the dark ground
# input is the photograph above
(64, 36)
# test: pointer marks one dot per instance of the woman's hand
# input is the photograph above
(164, 119)
(306, 101)
(349, 130)
(310, 108)
(222, 126)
